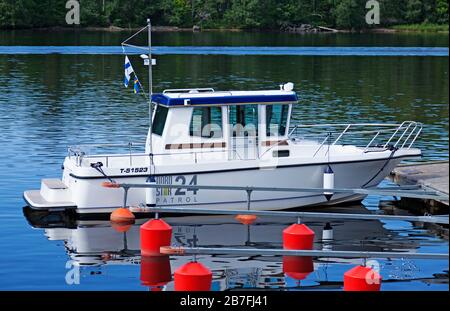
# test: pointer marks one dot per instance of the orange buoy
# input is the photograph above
(155, 272)
(246, 219)
(298, 236)
(121, 227)
(362, 278)
(122, 216)
(154, 234)
(106, 256)
(109, 184)
(193, 276)
(297, 267)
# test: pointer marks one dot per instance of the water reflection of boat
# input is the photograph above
(95, 242)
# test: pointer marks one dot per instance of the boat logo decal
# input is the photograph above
(176, 195)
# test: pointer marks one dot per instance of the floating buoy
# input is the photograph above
(362, 278)
(328, 182)
(327, 232)
(154, 234)
(155, 272)
(121, 227)
(193, 276)
(297, 267)
(150, 193)
(110, 184)
(246, 219)
(106, 256)
(122, 216)
(298, 236)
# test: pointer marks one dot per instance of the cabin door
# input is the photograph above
(243, 123)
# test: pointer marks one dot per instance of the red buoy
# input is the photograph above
(155, 272)
(154, 234)
(193, 276)
(122, 215)
(297, 267)
(246, 219)
(362, 278)
(298, 236)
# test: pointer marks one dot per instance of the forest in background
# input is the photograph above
(236, 14)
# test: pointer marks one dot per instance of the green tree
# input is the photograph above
(259, 14)
(351, 14)
(92, 13)
(414, 11)
(243, 14)
(295, 12)
(392, 12)
(177, 12)
(441, 11)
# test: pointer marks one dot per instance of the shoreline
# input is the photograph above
(325, 30)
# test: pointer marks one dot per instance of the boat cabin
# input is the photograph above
(239, 125)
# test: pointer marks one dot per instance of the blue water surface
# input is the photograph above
(228, 50)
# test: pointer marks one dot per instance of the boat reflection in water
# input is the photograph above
(94, 242)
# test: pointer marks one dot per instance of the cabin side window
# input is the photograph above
(159, 121)
(244, 120)
(276, 119)
(206, 122)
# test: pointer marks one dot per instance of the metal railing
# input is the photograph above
(204, 89)
(437, 219)
(180, 251)
(381, 137)
(365, 135)
(384, 191)
(82, 152)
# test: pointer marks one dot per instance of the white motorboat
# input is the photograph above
(240, 138)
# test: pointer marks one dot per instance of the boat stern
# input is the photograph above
(54, 194)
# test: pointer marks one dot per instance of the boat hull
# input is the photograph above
(89, 196)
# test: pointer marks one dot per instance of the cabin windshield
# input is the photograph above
(276, 119)
(159, 121)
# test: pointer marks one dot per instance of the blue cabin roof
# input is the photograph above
(171, 99)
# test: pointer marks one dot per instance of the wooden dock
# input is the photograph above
(429, 176)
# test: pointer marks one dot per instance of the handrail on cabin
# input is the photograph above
(408, 131)
(205, 89)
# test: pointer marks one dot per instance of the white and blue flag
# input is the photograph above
(128, 71)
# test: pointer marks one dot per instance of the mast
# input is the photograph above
(150, 83)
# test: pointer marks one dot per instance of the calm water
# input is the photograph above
(231, 50)
(49, 101)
